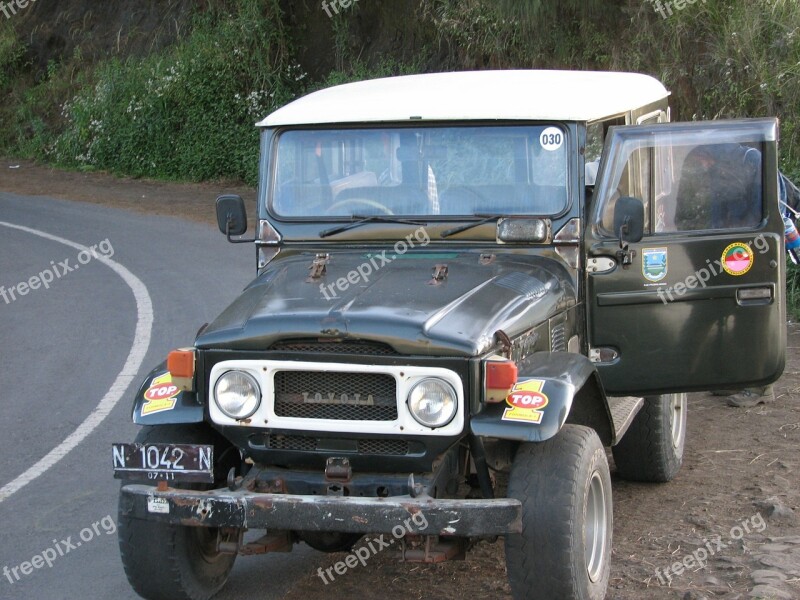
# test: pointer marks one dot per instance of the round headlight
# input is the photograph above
(432, 402)
(237, 394)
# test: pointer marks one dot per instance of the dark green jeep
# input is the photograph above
(469, 286)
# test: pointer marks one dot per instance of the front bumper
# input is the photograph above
(286, 512)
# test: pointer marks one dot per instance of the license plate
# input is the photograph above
(164, 462)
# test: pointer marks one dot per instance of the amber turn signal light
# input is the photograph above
(180, 364)
(501, 376)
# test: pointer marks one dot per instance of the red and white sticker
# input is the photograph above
(161, 395)
(737, 258)
(526, 401)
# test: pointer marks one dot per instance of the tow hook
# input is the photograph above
(338, 469)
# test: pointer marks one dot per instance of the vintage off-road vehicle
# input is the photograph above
(469, 286)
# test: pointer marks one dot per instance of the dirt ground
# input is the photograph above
(193, 201)
(735, 500)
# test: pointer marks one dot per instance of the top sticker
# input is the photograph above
(526, 401)
(161, 395)
(737, 258)
(551, 139)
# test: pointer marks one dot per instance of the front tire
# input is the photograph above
(564, 550)
(173, 562)
(652, 449)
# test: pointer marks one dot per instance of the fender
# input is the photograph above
(159, 402)
(552, 389)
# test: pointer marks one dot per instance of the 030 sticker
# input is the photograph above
(551, 139)
(526, 401)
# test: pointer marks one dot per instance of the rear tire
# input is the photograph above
(652, 449)
(171, 562)
(564, 550)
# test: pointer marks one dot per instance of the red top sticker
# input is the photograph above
(161, 391)
(527, 399)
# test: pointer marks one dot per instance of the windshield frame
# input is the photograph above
(269, 165)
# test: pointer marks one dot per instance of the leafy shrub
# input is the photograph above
(11, 54)
(188, 113)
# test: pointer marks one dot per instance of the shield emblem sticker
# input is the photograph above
(654, 264)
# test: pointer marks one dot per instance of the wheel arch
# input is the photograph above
(572, 394)
(590, 408)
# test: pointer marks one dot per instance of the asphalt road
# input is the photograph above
(77, 349)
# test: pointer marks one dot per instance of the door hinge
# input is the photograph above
(600, 264)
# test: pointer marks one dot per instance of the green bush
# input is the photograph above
(793, 291)
(11, 54)
(725, 59)
(188, 113)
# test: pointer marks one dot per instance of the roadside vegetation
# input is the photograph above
(186, 111)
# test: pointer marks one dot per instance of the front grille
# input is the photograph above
(336, 396)
(301, 443)
(292, 442)
(395, 447)
(334, 347)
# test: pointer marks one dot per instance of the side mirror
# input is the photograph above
(232, 217)
(629, 220)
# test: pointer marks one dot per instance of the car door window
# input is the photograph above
(695, 182)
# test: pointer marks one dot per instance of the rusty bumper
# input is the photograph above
(286, 512)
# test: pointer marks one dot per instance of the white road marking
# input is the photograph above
(141, 342)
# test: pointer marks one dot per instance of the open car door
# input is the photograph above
(698, 302)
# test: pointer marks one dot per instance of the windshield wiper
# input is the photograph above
(481, 219)
(359, 220)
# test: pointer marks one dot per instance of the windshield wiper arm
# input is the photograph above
(359, 220)
(481, 219)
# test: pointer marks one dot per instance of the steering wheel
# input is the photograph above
(366, 201)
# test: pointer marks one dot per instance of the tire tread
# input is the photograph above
(540, 559)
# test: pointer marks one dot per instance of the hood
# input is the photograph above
(394, 299)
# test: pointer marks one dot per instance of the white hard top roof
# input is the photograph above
(475, 95)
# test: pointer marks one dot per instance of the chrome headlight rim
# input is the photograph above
(256, 404)
(449, 387)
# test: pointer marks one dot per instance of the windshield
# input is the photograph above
(428, 171)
